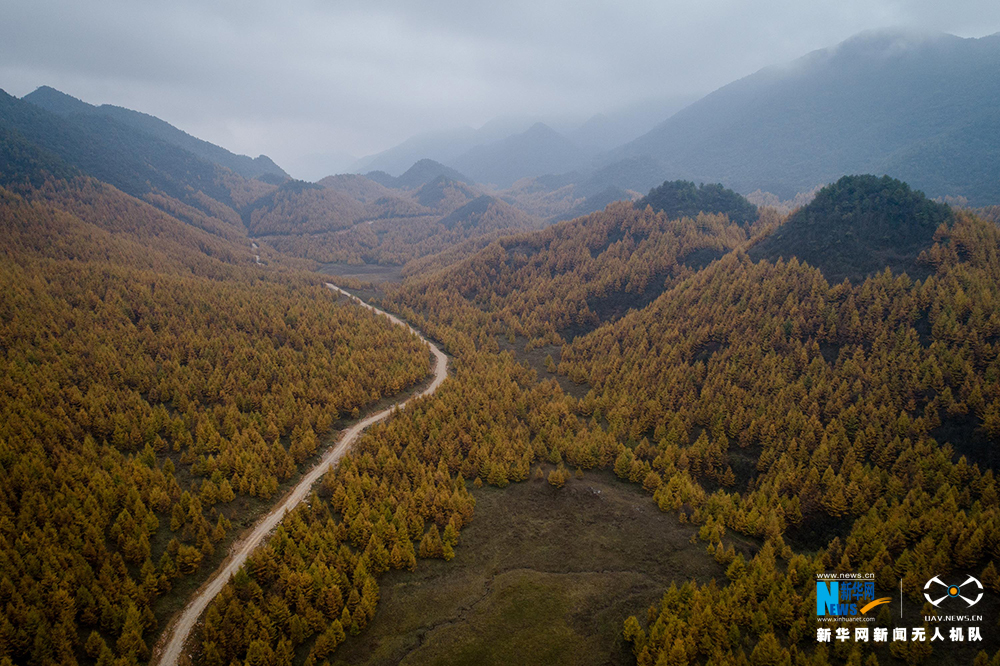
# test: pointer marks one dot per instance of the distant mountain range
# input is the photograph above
(445, 145)
(609, 130)
(440, 146)
(461, 146)
(924, 108)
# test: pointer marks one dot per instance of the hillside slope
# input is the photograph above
(326, 225)
(837, 425)
(574, 275)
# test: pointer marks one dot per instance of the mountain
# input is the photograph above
(600, 132)
(421, 173)
(397, 230)
(443, 193)
(921, 107)
(640, 173)
(537, 151)
(857, 227)
(60, 103)
(22, 163)
(381, 219)
(116, 153)
(681, 198)
(298, 207)
(51, 210)
(477, 213)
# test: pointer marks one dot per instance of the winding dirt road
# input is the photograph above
(171, 645)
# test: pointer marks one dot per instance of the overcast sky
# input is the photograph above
(292, 78)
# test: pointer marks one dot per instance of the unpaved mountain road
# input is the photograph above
(171, 645)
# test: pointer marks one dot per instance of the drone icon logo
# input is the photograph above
(954, 591)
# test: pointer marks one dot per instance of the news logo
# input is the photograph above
(954, 591)
(846, 598)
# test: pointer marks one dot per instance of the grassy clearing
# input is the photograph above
(536, 359)
(541, 576)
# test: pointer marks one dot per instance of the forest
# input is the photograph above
(566, 277)
(749, 399)
(147, 390)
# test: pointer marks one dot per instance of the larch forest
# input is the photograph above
(742, 402)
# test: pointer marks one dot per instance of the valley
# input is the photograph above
(654, 386)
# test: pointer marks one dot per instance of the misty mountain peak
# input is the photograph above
(57, 101)
(893, 40)
(540, 129)
(536, 151)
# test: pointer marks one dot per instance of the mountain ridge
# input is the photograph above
(135, 162)
(62, 104)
